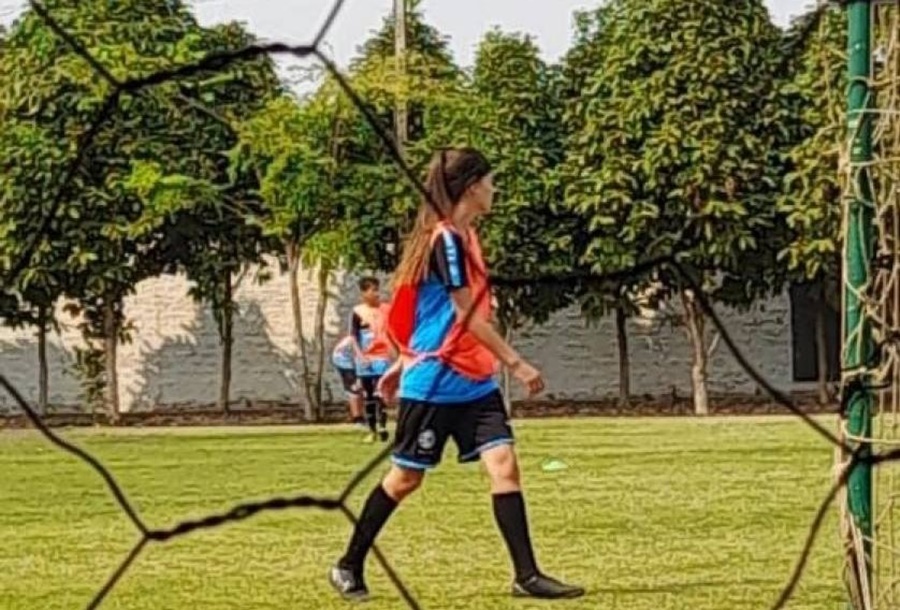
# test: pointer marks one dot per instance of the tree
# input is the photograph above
(324, 253)
(100, 224)
(582, 92)
(31, 156)
(211, 241)
(812, 94)
(56, 105)
(528, 233)
(333, 195)
(422, 39)
(677, 153)
(292, 149)
(382, 198)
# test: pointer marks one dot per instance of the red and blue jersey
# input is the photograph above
(368, 327)
(443, 362)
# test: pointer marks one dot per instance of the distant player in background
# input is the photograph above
(373, 352)
(342, 358)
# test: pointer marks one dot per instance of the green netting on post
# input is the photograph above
(870, 170)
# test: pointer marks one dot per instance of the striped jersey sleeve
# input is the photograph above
(448, 261)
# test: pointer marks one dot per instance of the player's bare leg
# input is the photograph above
(509, 511)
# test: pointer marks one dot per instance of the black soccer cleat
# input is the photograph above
(348, 583)
(383, 436)
(544, 587)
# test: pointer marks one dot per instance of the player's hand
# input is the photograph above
(529, 376)
(389, 384)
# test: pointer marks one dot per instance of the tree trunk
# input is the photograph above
(822, 353)
(226, 338)
(694, 320)
(624, 364)
(43, 368)
(110, 352)
(321, 308)
(292, 250)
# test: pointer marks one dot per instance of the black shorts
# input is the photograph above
(423, 430)
(348, 379)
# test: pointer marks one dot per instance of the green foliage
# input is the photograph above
(422, 39)
(30, 149)
(380, 199)
(205, 200)
(675, 142)
(579, 65)
(599, 249)
(813, 96)
(50, 97)
(669, 122)
(293, 148)
(51, 92)
(287, 147)
(511, 112)
(89, 361)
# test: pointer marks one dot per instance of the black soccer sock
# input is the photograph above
(377, 510)
(509, 510)
(371, 413)
(381, 413)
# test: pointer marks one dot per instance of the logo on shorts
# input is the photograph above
(427, 439)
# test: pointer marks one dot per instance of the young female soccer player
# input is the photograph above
(446, 374)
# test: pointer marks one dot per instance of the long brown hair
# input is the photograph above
(450, 173)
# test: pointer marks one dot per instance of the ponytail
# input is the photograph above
(450, 173)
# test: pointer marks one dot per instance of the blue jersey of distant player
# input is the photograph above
(431, 380)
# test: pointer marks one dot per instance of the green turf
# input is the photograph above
(650, 515)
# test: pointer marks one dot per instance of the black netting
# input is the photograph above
(339, 502)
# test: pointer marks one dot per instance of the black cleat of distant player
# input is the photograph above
(348, 583)
(544, 587)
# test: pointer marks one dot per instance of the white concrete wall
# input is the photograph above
(174, 356)
(582, 362)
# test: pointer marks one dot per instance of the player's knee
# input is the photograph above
(502, 467)
(401, 482)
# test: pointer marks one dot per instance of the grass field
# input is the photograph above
(650, 515)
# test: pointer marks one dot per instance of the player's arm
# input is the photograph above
(390, 381)
(449, 264)
(483, 330)
(395, 369)
(356, 334)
